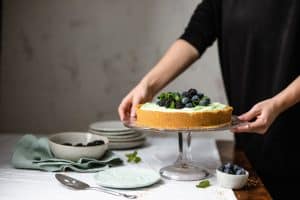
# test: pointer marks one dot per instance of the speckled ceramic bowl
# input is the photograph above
(74, 153)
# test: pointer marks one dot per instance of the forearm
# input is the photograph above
(289, 96)
(178, 58)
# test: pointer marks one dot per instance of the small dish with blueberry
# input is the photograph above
(232, 176)
(76, 145)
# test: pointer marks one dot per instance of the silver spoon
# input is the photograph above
(79, 185)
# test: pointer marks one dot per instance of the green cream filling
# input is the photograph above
(211, 107)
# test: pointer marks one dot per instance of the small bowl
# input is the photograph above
(74, 153)
(231, 181)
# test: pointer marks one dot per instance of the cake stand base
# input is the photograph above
(184, 169)
(184, 172)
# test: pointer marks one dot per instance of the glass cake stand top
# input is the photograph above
(235, 122)
(184, 169)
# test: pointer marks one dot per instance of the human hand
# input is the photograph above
(260, 117)
(140, 94)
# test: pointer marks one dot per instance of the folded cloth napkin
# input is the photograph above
(34, 153)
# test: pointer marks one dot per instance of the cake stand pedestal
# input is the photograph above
(184, 169)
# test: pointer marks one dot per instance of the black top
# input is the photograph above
(259, 49)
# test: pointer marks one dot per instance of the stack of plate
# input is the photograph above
(120, 137)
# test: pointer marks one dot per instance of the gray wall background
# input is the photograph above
(68, 63)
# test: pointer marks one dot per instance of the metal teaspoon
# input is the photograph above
(79, 185)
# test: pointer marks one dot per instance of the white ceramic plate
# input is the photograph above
(106, 133)
(127, 136)
(125, 145)
(114, 126)
(126, 177)
(140, 137)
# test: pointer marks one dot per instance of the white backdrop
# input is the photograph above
(67, 63)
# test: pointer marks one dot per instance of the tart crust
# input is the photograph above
(183, 120)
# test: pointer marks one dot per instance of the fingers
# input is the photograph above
(250, 115)
(124, 108)
(260, 125)
(135, 102)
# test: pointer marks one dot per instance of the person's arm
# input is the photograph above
(200, 33)
(180, 55)
(265, 112)
(289, 96)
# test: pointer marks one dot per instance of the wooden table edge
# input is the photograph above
(255, 188)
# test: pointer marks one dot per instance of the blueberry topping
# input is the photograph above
(192, 92)
(179, 105)
(161, 102)
(185, 94)
(189, 105)
(195, 103)
(185, 100)
(200, 95)
(195, 98)
(190, 98)
(204, 101)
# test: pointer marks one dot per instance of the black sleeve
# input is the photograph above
(201, 31)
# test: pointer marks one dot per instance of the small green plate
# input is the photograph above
(126, 177)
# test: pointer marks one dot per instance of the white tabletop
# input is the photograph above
(20, 184)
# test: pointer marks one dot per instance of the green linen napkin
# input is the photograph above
(34, 153)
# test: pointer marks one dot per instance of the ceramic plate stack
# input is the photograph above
(120, 137)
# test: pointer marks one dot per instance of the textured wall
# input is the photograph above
(67, 63)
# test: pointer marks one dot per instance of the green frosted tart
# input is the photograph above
(186, 110)
(211, 107)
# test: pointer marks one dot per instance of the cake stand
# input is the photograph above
(184, 169)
